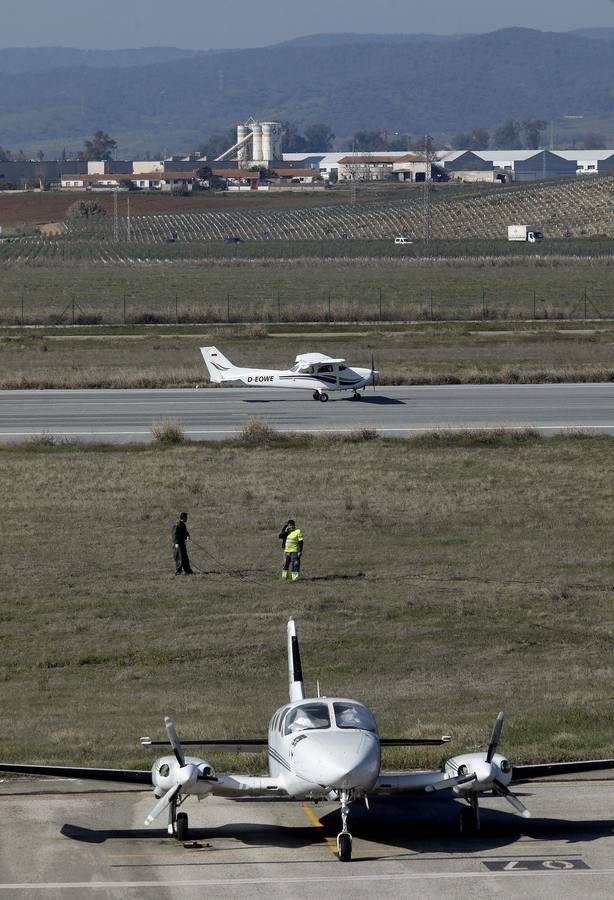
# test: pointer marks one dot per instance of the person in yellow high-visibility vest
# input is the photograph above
(291, 539)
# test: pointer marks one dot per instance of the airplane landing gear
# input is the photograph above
(470, 818)
(177, 822)
(344, 838)
(356, 396)
(316, 395)
(181, 829)
(323, 397)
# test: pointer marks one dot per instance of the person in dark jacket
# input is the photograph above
(180, 535)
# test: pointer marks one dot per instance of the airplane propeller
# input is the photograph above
(187, 774)
(373, 372)
(498, 787)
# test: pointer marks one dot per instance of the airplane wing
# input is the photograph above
(544, 770)
(126, 776)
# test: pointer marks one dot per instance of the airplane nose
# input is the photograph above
(338, 760)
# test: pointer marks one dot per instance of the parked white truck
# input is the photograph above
(524, 233)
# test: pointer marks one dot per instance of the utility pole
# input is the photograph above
(128, 217)
(115, 219)
(427, 218)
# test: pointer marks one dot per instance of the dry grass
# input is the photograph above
(167, 431)
(442, 583)
(257, 432)
(419, 354)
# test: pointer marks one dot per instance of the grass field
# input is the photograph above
(445, 578)
(423, 353)
(308, 290)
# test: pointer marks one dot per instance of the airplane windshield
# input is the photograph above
(311, 715)
(296, 367)
(353, 715)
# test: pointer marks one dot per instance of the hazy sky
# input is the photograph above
(201, 24)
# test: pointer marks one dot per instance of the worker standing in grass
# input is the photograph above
(291, 539)
(180, 535)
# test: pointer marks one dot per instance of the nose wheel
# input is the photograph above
(320, 395)
(344, 838)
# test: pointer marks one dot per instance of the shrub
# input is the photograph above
(257, 432)
(167, 431)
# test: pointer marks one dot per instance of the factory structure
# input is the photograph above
(258, 144)
(256, 161)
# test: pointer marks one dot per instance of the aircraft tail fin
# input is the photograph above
(295, 670)
(219, 367)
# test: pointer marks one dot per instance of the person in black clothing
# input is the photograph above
(180, 535)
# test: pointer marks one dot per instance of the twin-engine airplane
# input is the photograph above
(311, 371)
(320, 748)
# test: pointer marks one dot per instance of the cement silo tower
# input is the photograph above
(242, 154)
(256, 142)
(271, 141)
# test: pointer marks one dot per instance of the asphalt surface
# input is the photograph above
(63, 839)
(210, 413)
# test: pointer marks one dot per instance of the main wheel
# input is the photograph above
(316, 395)
(182, 826)
(357, 396)
(344, 843)
(323, 397)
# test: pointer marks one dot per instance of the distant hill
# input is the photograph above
(17, 60)
(171, 100)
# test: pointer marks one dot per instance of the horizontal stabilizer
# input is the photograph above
(415, 742)
(240, 745)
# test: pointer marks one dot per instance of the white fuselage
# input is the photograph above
(321, 746)
(337, 379)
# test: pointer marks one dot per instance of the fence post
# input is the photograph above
(228, 308)
(329, 306)
(483, 307)
(176, 310)
(431, 303)
(585, 301)
(278, 307)
(534, 302)
(73, 310)
(380, 304)
(124, 320)
(22, 309)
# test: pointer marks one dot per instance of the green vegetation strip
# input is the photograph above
(446, 577)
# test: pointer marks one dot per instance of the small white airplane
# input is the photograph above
(319, 748)
(311, 371)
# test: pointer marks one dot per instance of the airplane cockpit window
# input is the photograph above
(353, 715)
(326, 368)
(342, 368)
(311, 715)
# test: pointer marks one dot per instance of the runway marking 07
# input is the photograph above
(535, 865)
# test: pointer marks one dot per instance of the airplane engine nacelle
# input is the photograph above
(499, 769)
(166, 772)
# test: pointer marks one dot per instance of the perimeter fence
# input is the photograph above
(368, 306)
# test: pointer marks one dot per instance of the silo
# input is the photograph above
(257, 142)
(271, 140)
(267, 144)
(242, 132)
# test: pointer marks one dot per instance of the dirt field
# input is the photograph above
(35, 209)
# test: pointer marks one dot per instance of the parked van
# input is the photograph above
(402, 240)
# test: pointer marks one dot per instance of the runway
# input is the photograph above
(64, 839)
(211, 413)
